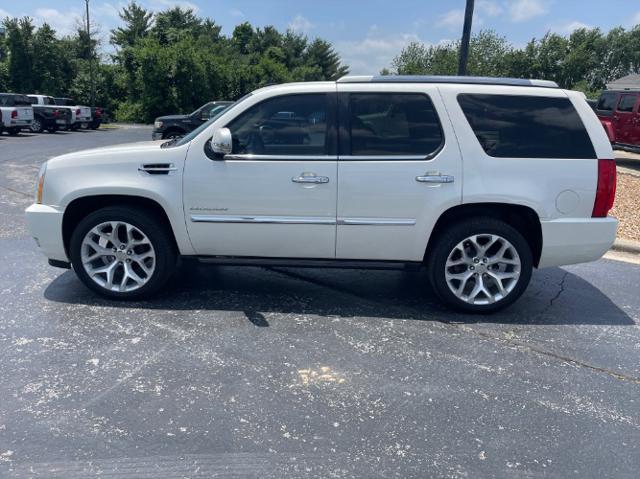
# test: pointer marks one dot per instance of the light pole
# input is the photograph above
(91, 78)
(466, 36)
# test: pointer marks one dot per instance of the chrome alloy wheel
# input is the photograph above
(118, 256)
(482, 269)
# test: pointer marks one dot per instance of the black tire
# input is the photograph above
(53, 129)
(447, 240)
(36, 126)
(13, 131)
(157, 233)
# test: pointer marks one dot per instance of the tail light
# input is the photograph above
(98, 112)
(606, 190)
(14, 114)
(78, 112)
(56, 113)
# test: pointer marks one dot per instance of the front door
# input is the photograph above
(275, 194)
(399, 168)
(625, 118)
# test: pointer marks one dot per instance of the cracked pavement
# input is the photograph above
(281, 372)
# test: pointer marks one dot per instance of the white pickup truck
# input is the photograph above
(17, 112)
(80, 115)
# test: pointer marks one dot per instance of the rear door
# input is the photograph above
(399, 169)
(625, 118)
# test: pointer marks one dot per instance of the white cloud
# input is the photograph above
(374, 52)
(452, 20)
(569, 27)
(490, 8)
(62, 23)
(4, 14)
(522, 10)
(236, 13)
(300, 24)
(105, 10)
(636, 19)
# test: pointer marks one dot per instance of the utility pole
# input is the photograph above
(466, 36)
(89, 49)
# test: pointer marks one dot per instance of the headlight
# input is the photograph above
(40, 184)
(157, 125)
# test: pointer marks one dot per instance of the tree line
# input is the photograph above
(585, 60)
(166, 62)
(173, 61)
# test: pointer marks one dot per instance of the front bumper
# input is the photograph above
(45, 225)
(576, 240)
(156, 135)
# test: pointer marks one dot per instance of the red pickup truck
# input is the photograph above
(619, 113)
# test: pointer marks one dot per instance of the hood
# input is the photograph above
(124, 153)
(172, 117)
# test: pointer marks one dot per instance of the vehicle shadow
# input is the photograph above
(555, 296)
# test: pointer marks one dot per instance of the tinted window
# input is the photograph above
(519, 126)
(14, 100)
(607, 102)
(391, 124)
(627, 103)
(285, 125)
(33, 100)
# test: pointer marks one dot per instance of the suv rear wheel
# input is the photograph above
(480, 265)
(36, 126)
(122, 253)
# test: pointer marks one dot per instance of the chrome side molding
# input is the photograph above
(376, 221)
(283, 220)
(299, 220)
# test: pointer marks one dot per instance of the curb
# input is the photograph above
(626, 246)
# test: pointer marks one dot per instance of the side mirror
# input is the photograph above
(221, 143)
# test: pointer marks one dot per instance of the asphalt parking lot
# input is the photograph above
(275, 372)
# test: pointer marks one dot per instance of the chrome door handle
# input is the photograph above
(435, 179)
(310, 179)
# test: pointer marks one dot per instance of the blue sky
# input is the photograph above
(367, 33)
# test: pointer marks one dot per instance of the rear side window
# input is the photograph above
(392, 124)
(22, 100)
(627, 102)
(607, 102)
(520, 126)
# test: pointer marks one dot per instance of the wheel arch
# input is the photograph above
(85, 205)
(522, 218)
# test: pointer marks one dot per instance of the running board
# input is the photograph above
(310, 263)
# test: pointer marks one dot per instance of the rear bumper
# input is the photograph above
(45, 225)
(15, 123)
(576, 240)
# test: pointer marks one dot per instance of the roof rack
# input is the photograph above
(467, 80)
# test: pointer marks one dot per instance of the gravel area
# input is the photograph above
(627, 206)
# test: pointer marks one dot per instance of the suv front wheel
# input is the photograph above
(122, 253)
(480, 265)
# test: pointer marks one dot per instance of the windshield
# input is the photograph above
(187, 138)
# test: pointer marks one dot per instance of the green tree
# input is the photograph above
(137, 23)
(322, 55)
(19, 34)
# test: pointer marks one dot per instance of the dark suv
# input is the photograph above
(175, 126)
(48, 116)
(619, 113)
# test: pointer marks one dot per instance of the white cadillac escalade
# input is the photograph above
(477, 179)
